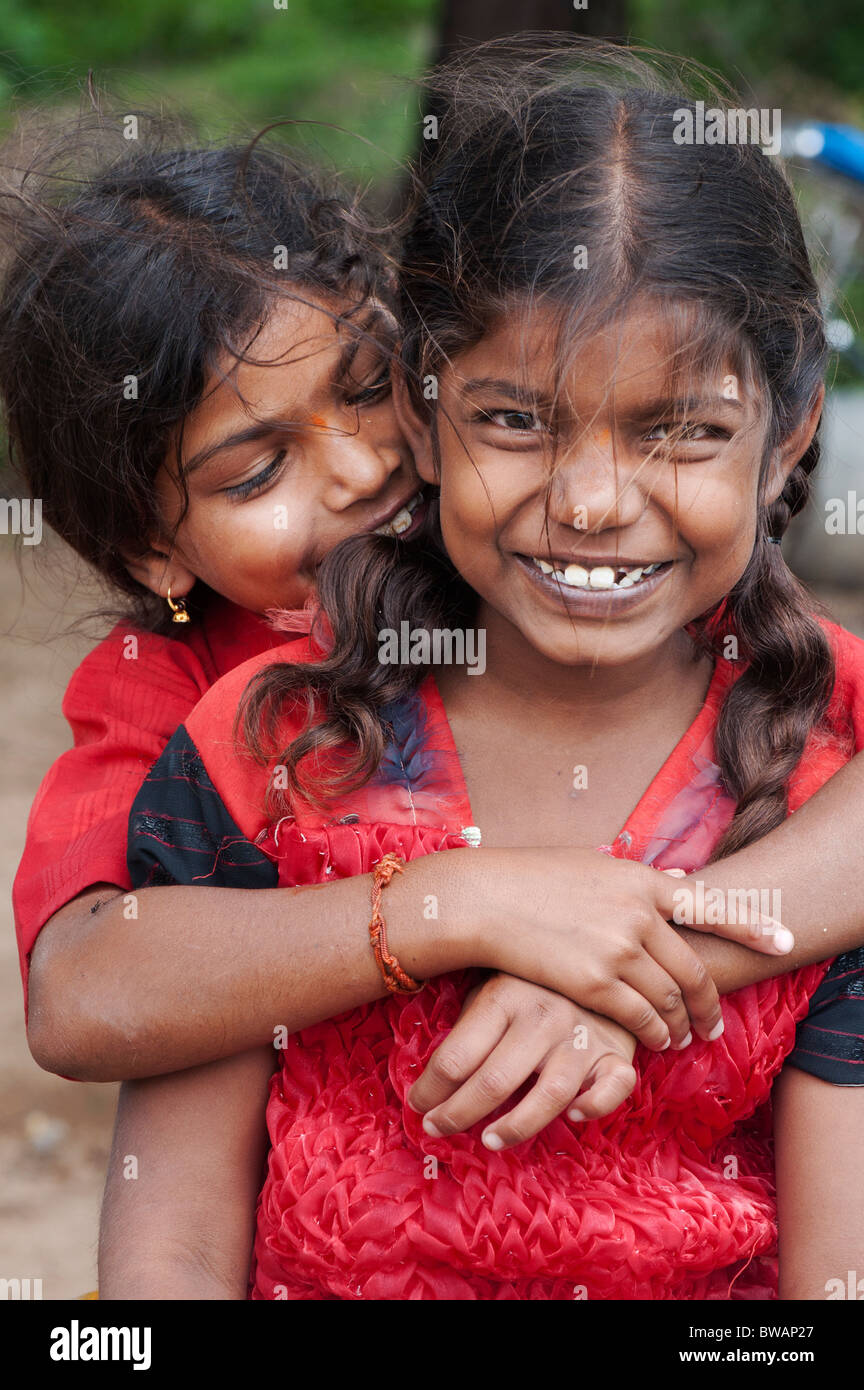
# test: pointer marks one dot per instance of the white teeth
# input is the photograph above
(401, 521)
(603, 577)
(600, 577)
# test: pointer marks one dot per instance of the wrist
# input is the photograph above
(437, 913)
(473, 918)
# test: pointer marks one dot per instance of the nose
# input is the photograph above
(596, 487)
(358, 457)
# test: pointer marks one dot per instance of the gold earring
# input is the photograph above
(178, 608)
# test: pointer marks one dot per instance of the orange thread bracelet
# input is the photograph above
(395, 978)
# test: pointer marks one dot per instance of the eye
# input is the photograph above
(258, 482)
(521, 421)
(376, 391)
(685, 432)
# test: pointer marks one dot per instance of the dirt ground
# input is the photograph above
(54, 1134)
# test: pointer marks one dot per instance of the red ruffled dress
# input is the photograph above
(670, 1197)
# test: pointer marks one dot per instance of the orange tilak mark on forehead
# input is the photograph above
(318, 421)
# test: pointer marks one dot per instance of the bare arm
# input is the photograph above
(204, 973)
(195, 974)
(183, 1178)
(815, 860)
(819, 1143)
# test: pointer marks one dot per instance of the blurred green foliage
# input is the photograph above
(230, 63)
(751, 40)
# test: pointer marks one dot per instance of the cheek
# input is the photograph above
(717, 520)
(484, 496)
(468, 522)
(253, 539)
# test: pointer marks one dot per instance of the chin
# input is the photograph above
(597, 647)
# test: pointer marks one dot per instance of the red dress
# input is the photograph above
(670, 1197)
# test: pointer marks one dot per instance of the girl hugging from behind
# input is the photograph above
(616, 441)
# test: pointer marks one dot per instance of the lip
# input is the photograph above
(619, 562)
(594, 603)
(384, 517)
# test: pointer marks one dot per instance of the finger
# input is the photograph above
(661, 989)
(493, 1083)
(625, 1005)
(559, 1081)
(699, 993)
(731, 913)
(478, 1030)
(609, 1084)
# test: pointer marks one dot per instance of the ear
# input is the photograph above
(158, 571)
(793, 448)
(415, 429)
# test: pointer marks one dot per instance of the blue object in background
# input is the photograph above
(838, 147)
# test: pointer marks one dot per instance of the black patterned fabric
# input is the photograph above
(181, 832)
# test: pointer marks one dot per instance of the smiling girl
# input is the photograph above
(667, 404)
(195, 358)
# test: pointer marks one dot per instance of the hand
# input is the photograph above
(595, 929)
(507, 1030)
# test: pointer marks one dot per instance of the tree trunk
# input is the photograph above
(471, 21)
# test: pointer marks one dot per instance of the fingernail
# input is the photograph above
(676, 873)
(667, 1043)
(493, 1141)
(766, 926)
(576, 1115)
(431, 1129)
(685, 1042)
(716, 1031)
(783, 941)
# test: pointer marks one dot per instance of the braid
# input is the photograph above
(784, 691)
(363, 588)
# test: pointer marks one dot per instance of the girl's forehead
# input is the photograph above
(643, 351)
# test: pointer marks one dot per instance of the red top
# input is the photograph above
(670, 1197)
(122, 706)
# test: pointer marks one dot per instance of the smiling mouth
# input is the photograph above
(403, 518)
(597, 577)
(596, 590)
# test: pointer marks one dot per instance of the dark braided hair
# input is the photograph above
(542, 147)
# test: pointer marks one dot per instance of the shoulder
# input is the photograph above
(181, 829)
(846, 710)
(215, 713)
(240, 781)
(130, 659)
(847, 648)
(131, 666)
